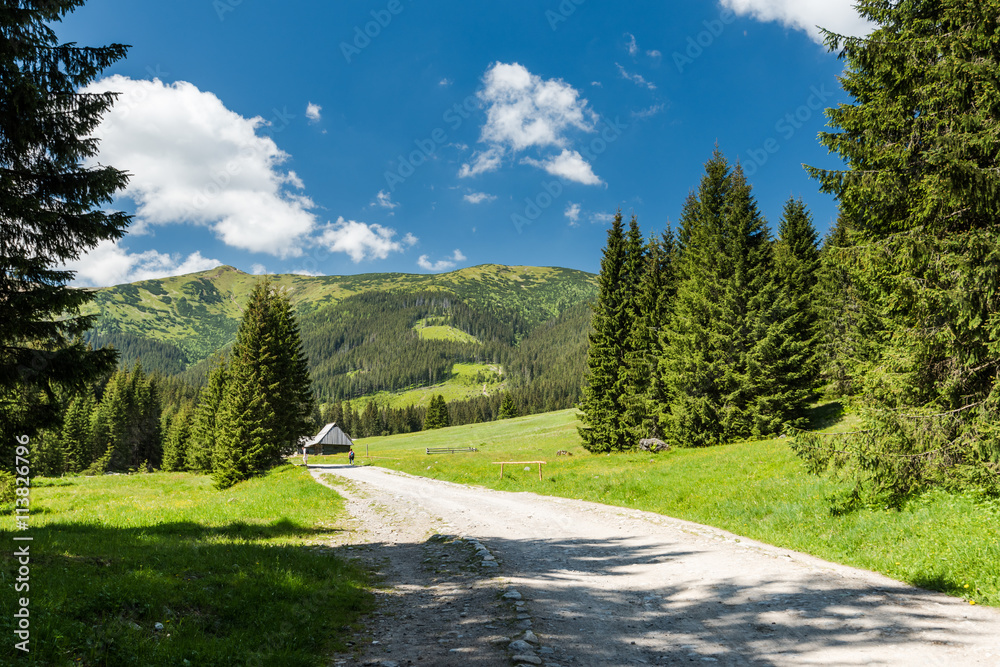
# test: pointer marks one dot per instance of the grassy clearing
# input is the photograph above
(463, 383)
(227, 573)
(433, 328)
(940, 541)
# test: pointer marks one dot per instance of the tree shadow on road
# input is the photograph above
(587, 608)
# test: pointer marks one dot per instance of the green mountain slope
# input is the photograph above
(175, 323)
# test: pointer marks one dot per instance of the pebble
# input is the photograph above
(520, 646)
(529, 659)
(512, 595)
(530, 637)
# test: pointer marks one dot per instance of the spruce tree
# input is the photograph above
(693, 361)
(633, 375)
(508, 408)
(176, 441)
(75, 440)
(249, 433)
(603, 393)
(204, 426)
(921, 193)
(50, 213)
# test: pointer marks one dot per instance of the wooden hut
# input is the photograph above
(330, 440)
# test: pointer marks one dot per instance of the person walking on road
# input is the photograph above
(350, 456)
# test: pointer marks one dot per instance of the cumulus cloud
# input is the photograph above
(362, 241)
(445, 82)
(258, 270)
(425, 263)
(836, 15)
(602, 218)
(194, 161)
(112, 264)
(637, 79)
(569, 165)
(384, 199)
(312, 112)
(654, 54)
(572, 214)
(524, 111)
(478, 197)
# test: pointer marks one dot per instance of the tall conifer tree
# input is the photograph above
(602, 394)
(50, 212)
(921, 192)
(204, 426)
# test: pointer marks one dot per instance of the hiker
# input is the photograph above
(350, 456)
(305, 456)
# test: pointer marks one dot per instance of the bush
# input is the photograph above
(7, 485)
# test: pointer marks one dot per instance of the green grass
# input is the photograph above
(230, 575)
(941, 541)
(460, 385)
(430, 329)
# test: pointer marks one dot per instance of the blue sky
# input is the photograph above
(407, 136)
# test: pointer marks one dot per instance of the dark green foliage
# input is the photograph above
(508, 408)
(267, 403)
(125, 426)
(605, 382)
(76, 433)
(204, 422)
(921, 197)
(156, 357)
(49, 213)
(367, 343)
(175, 443)
(437, 414)
(736, 349)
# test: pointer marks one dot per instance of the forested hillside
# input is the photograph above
(376, 334)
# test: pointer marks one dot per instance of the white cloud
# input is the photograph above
(482, 162)
(649, 111)
(524, 111)
(192, 160)
(572, 214)
(362, 241)
(603, 218)
(654, 54)
(631, 46)
(478, 197)
(597, 84)
(569, 165)
(111, 264)
(312, 112)
(444, 82)
(425, 263)
(836, 15)
(637, 79)
(259, 269)
(384, 199)
(304, 272)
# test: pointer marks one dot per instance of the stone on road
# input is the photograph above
(614, 586)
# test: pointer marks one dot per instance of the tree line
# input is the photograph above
(707, 335)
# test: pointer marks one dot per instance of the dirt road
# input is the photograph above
(608, 586)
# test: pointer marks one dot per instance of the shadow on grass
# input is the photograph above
(825, 415)
(224, 595)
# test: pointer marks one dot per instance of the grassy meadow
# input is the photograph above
(229, 575)
(938, 540)
(461, 384)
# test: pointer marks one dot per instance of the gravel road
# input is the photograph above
(602, 585)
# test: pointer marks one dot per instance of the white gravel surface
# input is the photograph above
(601, 585)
